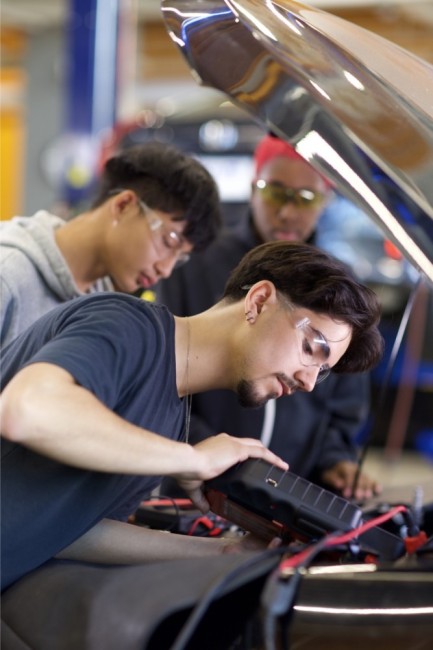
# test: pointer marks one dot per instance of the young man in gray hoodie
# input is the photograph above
(154, 206)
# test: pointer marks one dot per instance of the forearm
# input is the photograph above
(43, 409)
(114, 542)
(46, 411)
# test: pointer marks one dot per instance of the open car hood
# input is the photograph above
(356, 106)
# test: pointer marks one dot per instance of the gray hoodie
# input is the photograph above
(34, 276)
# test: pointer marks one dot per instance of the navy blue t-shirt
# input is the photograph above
(122, 350)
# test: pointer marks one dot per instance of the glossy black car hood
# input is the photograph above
(358, 107)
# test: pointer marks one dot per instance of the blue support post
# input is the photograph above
(91, 91)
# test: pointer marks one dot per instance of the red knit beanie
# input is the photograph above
(271, 147)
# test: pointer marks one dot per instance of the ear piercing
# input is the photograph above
(249, 317)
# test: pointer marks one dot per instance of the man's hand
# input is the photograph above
(341, 476)
(215, 455)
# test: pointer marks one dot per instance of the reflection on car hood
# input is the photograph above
(358, 107)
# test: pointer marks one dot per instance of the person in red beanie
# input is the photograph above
(314, 432)
(288, 195)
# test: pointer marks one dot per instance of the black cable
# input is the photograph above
(283, 592)
(387, 378)
(279, 595)
(185, 634)
(176, 522)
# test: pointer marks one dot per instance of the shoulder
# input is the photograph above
(112, 315)
(112, 304)
(26, 242)
(92, 330)
(13, 230)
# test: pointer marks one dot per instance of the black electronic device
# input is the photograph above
(286, 502)
(268, 501)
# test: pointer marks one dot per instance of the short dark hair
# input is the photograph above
(311, 278)
(169, 180)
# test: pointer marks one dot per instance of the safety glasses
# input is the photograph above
(313, 348)
(167, 242)
(277, 195)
